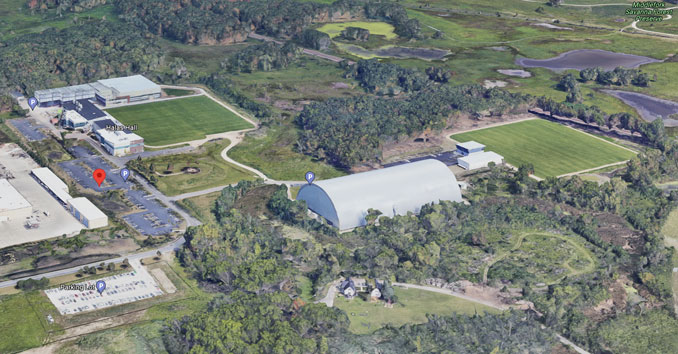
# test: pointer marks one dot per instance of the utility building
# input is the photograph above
(344, 201)
(469, 147)
(87, 213)
(480, 160)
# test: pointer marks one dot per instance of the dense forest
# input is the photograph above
(75, 55)
(227, 21)
(349, 131)
(263, 57)
(61, 6)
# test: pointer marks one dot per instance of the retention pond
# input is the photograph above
(650, 108)
(587, 58)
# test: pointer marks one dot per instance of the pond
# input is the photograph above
(650, 108)
(587, 58)
(397, 52)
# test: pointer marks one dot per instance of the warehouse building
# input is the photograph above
(469, 147)
(480, 160)
(52, 183)
(397, 190)
(109, 91)
(13, 206)
(126, 89)
(87, 213)
(57, 96)
(120, 142)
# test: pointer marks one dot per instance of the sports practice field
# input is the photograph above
(175, 121)
(552, 149)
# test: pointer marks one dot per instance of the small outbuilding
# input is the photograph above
(480, 160)
(469, 147)
(344, 201)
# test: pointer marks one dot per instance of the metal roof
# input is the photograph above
(135, 85)
(86, 208)
(397, 190)
(85, 108)
(482, 158)
(471, 145)
(52, 182)
(10, 198)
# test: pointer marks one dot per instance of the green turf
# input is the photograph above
(552, 149)
(175, 121)
(177, 92)
(412, 307)
(375, 28)
(214, 170)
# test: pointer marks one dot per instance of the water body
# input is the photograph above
(515, 72)
(399, 52)
(649, 108)
(587, 58)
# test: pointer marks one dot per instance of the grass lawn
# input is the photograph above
(177, 92)
(201, 206)
(412, 307)
(375, 28)
(552, 148)
(670, 230)
(175, 121)
(22, 327)
(214, 171)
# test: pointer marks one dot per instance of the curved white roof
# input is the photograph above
(344, 201)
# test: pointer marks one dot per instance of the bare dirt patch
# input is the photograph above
(101, 324)
(163, 280)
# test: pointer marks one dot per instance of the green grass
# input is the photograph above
(552, 149)
(20, 325)
(670, 230)
(214, 170)
(176, 121)
(655, 331)
(375, 28)
(201, 206)
(274, 155)
(177, 92)
(412, 307)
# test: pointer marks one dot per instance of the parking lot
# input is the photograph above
(28, 129)
(154, 219)
(447, 157)
(124, 288)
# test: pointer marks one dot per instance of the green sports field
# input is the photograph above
(553, 149)
(175, 121)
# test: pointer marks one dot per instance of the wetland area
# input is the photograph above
(587, 58)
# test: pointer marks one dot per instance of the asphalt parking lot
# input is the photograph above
(28, 129)
(154, 219)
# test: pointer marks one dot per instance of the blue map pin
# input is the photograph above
(124, 173)
(32, 102)
(310, 176)
(101, 286)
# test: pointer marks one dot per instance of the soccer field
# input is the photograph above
(179, 120)
(553, 149)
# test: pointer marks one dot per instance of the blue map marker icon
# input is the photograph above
(124, 173)
(101, 286)
(32, 102)
(310, 176)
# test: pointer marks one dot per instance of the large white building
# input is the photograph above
(344, 201)
(109, 91)
(120, 142)
(480, 160)
(13, 206)
(87, 213)
(52, 183)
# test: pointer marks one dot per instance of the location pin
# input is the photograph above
(310, 176)
(101, 286)
(99, 176)
(32, 102)
(124, 173)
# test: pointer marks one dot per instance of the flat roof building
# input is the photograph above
(13, 206)
(469, 147)
(52, 183)
(120, 143)
(397, 190)
(73, 120)
(127, 89)
(480, 160)
(56, 96)
(87, 213)
(85, 108)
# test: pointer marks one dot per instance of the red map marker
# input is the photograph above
(99, 176)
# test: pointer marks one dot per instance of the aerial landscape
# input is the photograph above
(338, 176)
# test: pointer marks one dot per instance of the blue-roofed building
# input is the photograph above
(85, 108)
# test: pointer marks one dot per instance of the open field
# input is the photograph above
(542, 258)
(552, 149)
(21, 326)
(177, 92)
(175, 121)
(412, 307)
(670, 230)
(201, 206)
(214, 171)
(375, 28)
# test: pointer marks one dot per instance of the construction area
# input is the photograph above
(28, 212)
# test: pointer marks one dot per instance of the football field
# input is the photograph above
(553, 149)
(179, 120)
